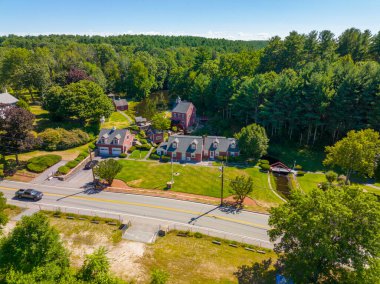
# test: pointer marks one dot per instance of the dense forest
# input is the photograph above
(310, 88)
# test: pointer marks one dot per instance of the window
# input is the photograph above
(103, 141)
(233, 145)
(116, 141)
(215, 144)
(216, 153)
(174, 154)
(174, 145)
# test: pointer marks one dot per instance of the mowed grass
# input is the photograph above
(194, 179)
(197, 260)
(310, 181)
(116, 119)
(137, 154)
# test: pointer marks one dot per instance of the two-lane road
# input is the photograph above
(163, 210)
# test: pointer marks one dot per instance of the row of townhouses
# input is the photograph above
(198, 148)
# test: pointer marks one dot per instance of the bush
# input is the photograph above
(134, 128)
(165, 159)
(143, 147)
(154, 156)
(298, 167)
(63, 170)
(9, 167)
(60, 139)
(123, 155)
(221, 158)
(300, 173)
(92, 146)
(159, 276)
(72, 164)
(41, 163)
(143, 141)
(264, 162)
(264, 167)
(198, 235)
(130, 150)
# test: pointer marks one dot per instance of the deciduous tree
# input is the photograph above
(253, 141)
(241, 186)
(108, 170)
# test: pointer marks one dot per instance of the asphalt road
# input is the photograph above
(157, 210)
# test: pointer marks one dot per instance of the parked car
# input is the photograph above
(91, 164)
(29, 194)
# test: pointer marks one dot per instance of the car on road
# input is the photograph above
(29, 194)
(91, 164)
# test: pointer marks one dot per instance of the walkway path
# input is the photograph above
(47, 173)
(27, 212)
(373, 186)
(271, 188)
(149, 152)
(126, 116)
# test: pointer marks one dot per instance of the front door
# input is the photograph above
(212, 154)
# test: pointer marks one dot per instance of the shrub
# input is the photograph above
(130, 150)
(264, 167)
(143, 147)
(159, 276)
(154, 156)
(221, 158)
(41, 163)
(300, 173)
(298, 167)
(134, 128)
(123, 155)
(165, 159)
(72, 164)
(9, 167)
(92, 146)
(143, 141)
(63, 170)
(198, 235)
(60, 139)
(331, 176)
(264, 162)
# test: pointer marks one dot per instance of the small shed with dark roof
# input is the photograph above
(121, 104)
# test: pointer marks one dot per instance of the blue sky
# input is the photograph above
(233, 19)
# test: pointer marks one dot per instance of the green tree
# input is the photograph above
(357, 151)
(3, 216)
(95, 266)
(108, 170)
(139, 81)
(327, 236)
(160, 122)
(241, 186)
(257, 273)
(33, 243)
(23, 104)
(253, 141)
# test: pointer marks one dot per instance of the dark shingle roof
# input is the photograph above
(121, 102)
(184, 144)
(182, 107)
(7, 99)
(223, 144)
(110, 134)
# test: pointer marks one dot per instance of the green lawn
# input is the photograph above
(310, 159)
(137, 154)
(310, 181)
(192, 179)
(116, 119)
(186, 258)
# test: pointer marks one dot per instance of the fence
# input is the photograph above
(159, 224)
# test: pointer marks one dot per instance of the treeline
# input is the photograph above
(304, 87)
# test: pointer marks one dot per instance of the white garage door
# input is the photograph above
(116, 151)
(103, 151)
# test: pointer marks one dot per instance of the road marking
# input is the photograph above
(151, 206)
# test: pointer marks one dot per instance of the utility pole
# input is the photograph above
(172, 181)
(92, 168)
(221, 190)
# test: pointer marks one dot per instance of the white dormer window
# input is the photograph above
(103, 140)
(115, 141)
(215, 144)
(174, 145)
(233, 145)
(193, 146)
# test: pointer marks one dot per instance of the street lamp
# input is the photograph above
(102, 119)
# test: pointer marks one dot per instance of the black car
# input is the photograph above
(91, 164)
(29, 194)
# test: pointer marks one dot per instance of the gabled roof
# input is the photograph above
(120, 102)
(182, 107)
(140, 119)
(8, 99)
(223, 144)
(110, 134)
(184, 143)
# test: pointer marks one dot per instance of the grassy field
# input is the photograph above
(137, 154)
(68, 154)
(116, 119)
(12, 210)
(192, 179)
(198, 259)
(310, 181)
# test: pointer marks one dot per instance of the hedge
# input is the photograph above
(264, 167)
(63, 170)
(123, 155)
(72, 164)
(144, 147)
(154, 156)
(165, 159)
(264, 162)
(41, 163)
(130, 150)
